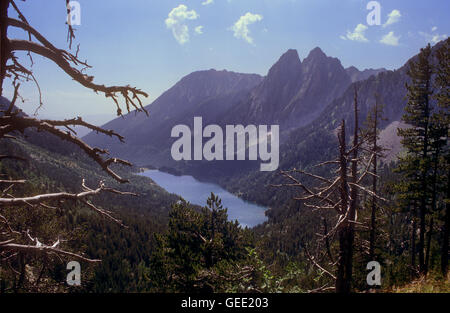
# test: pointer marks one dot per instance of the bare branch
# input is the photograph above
(20, 123)
(321, 289)
(297, 183)
(79, 122)
(21, 181)
(129, 93)
(103, 212)
(327, 163)
(44, 249)
(313, 176)
(13, 101)
(311, 258)
(9, 202)
(368, 191)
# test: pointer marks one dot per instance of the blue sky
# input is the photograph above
(152, 44)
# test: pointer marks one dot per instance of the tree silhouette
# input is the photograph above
(14, 242)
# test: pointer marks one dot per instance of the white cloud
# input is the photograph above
(206, 2)
(390, 39)
(357, 34)
(199, 30)
(393, 18)
(434, 28)
(433, 38)
(240, 28)
(176, 22)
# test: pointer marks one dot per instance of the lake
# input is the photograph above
(196, 192)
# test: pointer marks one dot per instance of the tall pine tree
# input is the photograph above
(416, 140)
(442, 155)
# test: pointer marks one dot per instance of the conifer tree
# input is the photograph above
(416, 140)
(442, 155)
(196, 242)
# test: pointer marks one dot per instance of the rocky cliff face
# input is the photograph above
(274, 93)
(208, 93)
(323, 80)
(293, 93)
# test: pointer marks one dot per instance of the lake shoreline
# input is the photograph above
(196, 192)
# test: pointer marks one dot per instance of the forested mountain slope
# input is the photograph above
(291, 95)
(317, 141)
(52, 165)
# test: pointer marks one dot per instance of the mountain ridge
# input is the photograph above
(292, 86)
(317, 142)
(358, 75)
(292, 94)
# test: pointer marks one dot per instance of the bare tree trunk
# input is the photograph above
(374, 187)
(327, 241)
(353, 191)
(444, 250)
(342, 280)
(347, 233)
(3, 41)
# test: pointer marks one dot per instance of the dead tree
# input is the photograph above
(16, 242)
(340, 195)
(374, 152)
(374, 184)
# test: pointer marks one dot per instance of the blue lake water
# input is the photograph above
(196, 192)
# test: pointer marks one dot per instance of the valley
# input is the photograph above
(306, 99)
(315, 175)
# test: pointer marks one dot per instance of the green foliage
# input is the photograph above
(124, 251)
(424, 166)
(195, 242)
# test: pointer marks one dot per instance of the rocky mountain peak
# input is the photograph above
(289, 64)
(316, 54)
(318, 59)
